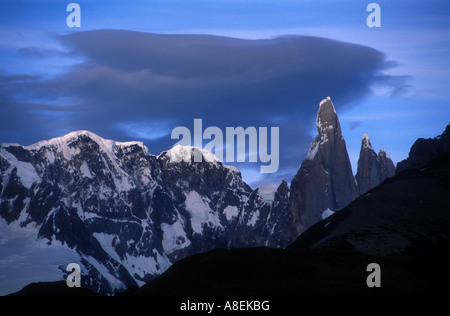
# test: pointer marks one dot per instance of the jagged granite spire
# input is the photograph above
(368, 173)
(325, 180)
(387, 167)
(372, 168)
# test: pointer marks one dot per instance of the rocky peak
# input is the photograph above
(368, 173)
(325, 179)
(327, 122)
(283, 189)
(372, 168)
(365, 141)
(387, 168)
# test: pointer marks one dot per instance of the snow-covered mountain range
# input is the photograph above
(126, 215)
(123, 214)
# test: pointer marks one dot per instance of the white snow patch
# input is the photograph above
(200, 212)
(122, 184)
(141, 266)
(89, 215)
(85, 171)
(252, 221)
(174, 237)
(163, 261)
(50, 156)
(145, 175)
(365, 140)
(25, 170)
(114, 282)
(107, 243)
(230, 212)
(180, 153)
(327, 213)
(79, 208)
(196, 206)
(313, 149)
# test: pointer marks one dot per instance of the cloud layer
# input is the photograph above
(134, 85)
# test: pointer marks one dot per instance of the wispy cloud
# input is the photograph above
(373, 116)
(146, 130)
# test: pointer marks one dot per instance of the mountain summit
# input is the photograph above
(325, 180)
(372, 168)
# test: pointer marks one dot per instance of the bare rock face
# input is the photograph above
(425, 150)
(372, 168)
(387, 168)
(325, 180)
(265, 219)
(407, 213)
(368, 173)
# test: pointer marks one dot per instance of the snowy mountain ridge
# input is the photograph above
(123, 214)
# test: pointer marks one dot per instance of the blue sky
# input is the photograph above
(390, 82)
